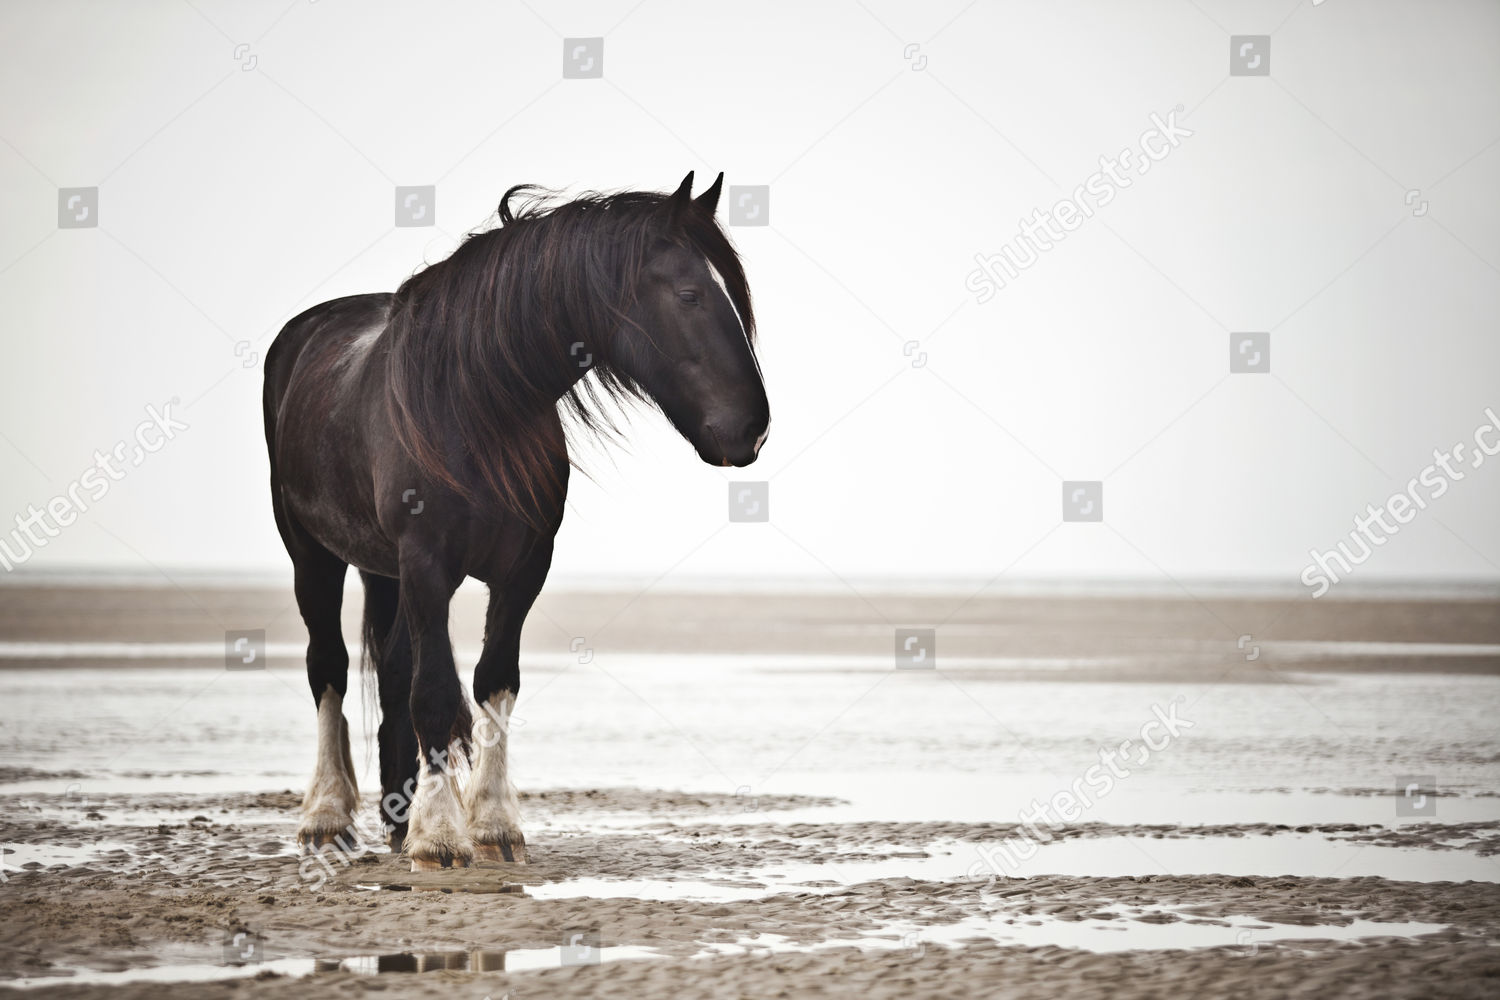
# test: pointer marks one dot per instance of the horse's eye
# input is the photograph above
(690, 298)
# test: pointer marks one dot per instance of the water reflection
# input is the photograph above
(478, 960)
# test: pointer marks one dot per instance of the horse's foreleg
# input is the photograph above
(436, 836)
(491, 803)
(332, 796)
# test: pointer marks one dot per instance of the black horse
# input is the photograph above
(418, 436)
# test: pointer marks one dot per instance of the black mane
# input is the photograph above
(484, 342)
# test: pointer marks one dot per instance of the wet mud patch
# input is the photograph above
(673, 901)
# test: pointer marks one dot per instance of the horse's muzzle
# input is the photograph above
(738, 449)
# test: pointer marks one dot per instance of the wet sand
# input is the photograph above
(797, 819)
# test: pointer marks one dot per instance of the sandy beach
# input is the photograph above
(744, 795)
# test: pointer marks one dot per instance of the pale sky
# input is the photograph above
(246, 157)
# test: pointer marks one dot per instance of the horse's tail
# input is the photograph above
(462, 734)
(387, 690)
(386, 662)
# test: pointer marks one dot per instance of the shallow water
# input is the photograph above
(973, 748)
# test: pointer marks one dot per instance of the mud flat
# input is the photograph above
(195, 895)
(795, 817)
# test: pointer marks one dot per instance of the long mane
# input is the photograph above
(482, 344)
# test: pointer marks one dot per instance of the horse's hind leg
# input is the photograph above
(491, 803)
(388, 645)
(332, 797)
(436, 834)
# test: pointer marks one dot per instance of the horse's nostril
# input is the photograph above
(731, 443)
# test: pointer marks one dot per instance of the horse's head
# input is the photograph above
(688, 344)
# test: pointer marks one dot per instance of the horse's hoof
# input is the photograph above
(316, 840)
(511, 853)
(438, 864)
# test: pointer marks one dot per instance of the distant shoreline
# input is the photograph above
(1126, 635)
(1414, 589)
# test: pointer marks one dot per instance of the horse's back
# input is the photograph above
(325, 324)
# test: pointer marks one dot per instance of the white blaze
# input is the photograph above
(719, 280)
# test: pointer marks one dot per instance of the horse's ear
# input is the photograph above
(684, 192)
(708, 201)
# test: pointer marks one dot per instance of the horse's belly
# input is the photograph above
(347, 529)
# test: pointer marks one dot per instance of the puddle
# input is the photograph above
(114, 856)
(1162, 929)
(1257, 855)
(1246, 932)
(515, 960)
(657, 890)
(18, 856)
(94, 814)
(1123, 929)
(1253, 855)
